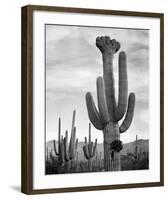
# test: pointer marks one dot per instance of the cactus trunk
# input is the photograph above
(111, 133)
(90, 164)
(111, 129)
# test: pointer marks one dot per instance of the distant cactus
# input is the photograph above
(89, 149)
(136, 147)
(59, 152)
(66, 153)
(110, 113)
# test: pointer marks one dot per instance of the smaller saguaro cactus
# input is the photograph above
(89, 149)
(70, 151)
(136, 147)
(59, 152)
(66, 153)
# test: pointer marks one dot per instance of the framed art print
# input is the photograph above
(92, 99)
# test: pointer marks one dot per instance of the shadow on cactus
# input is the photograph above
(110, 112)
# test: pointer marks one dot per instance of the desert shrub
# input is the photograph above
(130, 162)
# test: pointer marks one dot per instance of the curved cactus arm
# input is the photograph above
(62, 150)
(66, 146)
(95, 145)
(73, 120)
(85, 150)
(55, 148)
(72, 144)
(130, 112)
(71, 139)
(76, 146)
(73, 129)
(74, 137)
(123, 87)
(90, 148)
(102, 104)
(86, 143)
(86, 147)
(89, 132)
(93, 113)
(59, 134)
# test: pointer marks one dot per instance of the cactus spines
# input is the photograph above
(89, 149)
(109, 113)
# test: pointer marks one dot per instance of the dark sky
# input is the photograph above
(73, 63)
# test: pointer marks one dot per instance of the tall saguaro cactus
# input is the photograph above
(109, 114)
(89, 149)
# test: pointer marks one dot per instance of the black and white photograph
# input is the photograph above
(96, 99)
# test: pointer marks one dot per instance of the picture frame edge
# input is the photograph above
(27, 99)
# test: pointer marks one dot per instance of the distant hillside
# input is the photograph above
(143, 146)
